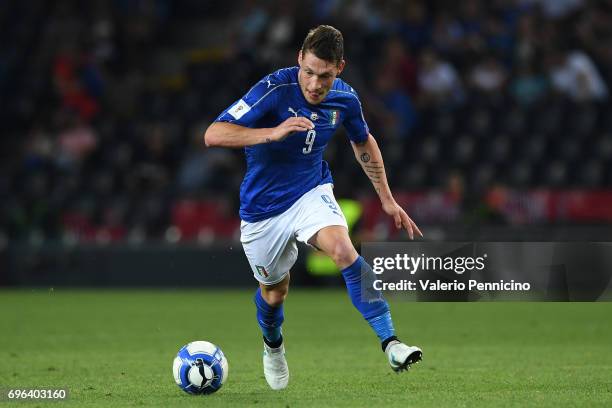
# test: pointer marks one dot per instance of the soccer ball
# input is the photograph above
(200, 368)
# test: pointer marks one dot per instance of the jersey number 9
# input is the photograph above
(310, 138)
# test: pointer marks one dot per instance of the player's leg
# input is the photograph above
(271, 251)
(269, 302)
(359, 278)
(334, 241)
(270, 316)
(323, 225)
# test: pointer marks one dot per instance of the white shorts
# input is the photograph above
(270, 245)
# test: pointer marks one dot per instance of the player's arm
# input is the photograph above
(370, 158)
(224, 134)
(237, 125)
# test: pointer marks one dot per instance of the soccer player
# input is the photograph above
(284, 123)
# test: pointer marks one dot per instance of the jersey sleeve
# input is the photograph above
(260, 99)
(355, 123)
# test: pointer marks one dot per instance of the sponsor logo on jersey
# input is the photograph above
(291, 110)
(334, 117)
(262, 271)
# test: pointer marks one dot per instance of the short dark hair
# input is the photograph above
(325, 42)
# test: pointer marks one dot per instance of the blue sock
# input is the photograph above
(270, 318)
(370, 303)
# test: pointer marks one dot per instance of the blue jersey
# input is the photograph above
(279, 173)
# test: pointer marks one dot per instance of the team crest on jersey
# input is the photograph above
(314, 116)
(334, 117)
(262, 271)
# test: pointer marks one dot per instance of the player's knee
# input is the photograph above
(275, 297)
(343, 253)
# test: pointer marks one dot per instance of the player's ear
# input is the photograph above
(300, 58)
(341, 65)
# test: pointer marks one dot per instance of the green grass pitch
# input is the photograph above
(115, 349)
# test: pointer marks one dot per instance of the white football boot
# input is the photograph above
(275, 366)
(402, 356)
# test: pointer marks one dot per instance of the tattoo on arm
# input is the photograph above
(373, 169)
(375, 174)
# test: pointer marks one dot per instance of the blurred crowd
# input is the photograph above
(103, 103)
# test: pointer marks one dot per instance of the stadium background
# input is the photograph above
(493, 118)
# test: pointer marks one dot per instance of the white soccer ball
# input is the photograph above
(200, 367)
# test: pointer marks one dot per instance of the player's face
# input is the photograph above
(316, 76)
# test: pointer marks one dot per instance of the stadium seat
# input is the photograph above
(430, 149)
(556, 173)
(591, 174)
(521, 174)
(464, 150)
(499, 149)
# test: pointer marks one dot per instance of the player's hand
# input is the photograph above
(401, 219)
(289, 126)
